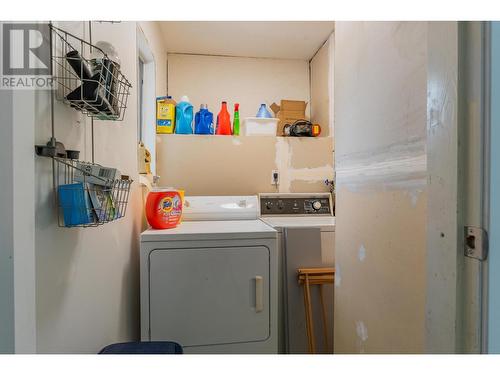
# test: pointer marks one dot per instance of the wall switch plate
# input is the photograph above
(275, 177)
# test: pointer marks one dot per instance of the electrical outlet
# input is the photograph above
(275, 177)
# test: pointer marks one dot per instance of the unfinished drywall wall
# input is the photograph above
(224, 165)
(380, 134)
(322, 87)
(88, 279)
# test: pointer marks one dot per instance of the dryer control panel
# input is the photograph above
(295, 204)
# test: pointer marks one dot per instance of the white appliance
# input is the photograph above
(306, 227)
(211, 284)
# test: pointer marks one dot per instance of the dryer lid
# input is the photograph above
(234, 207)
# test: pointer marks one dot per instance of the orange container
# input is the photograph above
(223, 121)
(164, 208)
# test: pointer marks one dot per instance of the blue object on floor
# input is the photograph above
(144, 347)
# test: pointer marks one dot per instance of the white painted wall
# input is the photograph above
(381, 169)
(248, 81)
(87, 279)
(17, 250)
(23, 220)
(7, 332)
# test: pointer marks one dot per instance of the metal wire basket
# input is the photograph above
(86, 78)
(88, 194)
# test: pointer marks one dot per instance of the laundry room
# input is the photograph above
(187, 182)
(270, 77)
(234, 200)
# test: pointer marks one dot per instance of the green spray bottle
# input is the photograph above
(236, 120)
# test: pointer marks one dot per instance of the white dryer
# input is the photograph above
(211, 283)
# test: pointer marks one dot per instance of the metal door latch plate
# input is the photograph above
(476, 243)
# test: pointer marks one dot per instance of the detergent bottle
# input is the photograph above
(184, 117)
(204, 121)
(223, 121)
(165, 115)
(236, 119)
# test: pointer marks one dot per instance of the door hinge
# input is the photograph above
(476, 243)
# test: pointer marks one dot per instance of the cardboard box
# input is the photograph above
(289, 105)
(292, 114)
(288, 112)
(95, 174)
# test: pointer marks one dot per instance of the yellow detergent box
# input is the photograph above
(165, 115)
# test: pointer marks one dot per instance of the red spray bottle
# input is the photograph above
(223, 121)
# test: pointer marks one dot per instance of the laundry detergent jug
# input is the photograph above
(204, 121)
(164, 208)
(184, 117)
(165, 115)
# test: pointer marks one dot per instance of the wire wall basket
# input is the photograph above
(88, 194)
(87, 78)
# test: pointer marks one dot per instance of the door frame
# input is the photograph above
(458, 176)
(147, 101)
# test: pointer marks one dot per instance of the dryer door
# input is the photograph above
(207, 296)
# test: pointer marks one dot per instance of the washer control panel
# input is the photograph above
(295, 204)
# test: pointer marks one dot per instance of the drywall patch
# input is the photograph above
(362, 333)
(312, 174)
(361, 253)
(299, 186)
(284, 160)
(397, 166)
(338, 276)
(414, 196)
(283, 163)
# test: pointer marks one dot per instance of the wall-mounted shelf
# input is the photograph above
(205, 136)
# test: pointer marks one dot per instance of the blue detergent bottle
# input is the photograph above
(204, 121)
(184, 116)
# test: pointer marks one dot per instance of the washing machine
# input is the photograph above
(306, 238)
(211, 284)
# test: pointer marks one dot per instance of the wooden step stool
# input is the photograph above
(315, 276)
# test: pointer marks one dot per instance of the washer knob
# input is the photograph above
(316, 205)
